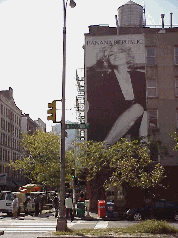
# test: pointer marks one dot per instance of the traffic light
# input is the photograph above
(76, 181)
(82, 179)
(52, 111)
(73, 173)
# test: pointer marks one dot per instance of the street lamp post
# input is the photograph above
(61, 221)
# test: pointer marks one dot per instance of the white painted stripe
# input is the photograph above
(70, 224)
(15, 229)
(33, 224)
(101, 224)
(30, 226)
(84, 222)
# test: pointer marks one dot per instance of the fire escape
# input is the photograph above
(80, 103)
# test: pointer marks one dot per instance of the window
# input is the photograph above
(152, 118)
(1, 109)
(170, 204)
(0, 153)
(151, 87)
(9, 196)
(176, 86)
(176, 55)
(2, 196)
(154, 151)
(159, 204)
(177, 117)
(150, 56)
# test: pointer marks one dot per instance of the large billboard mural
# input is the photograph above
(115, 87)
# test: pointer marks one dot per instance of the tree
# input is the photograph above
(126, 162)
(40, 159)
(176, 140)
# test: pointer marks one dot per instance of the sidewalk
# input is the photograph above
(50, 214)
(93, 216)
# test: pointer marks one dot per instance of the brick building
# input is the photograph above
(158, 59)
(12, 124)
(10, 130)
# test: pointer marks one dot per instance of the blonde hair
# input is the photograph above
(104, 53)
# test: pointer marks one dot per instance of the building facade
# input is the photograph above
(41, 125)
(143, 100)
(10, 131)
(12, 124)
(71, 134)
(27, 124)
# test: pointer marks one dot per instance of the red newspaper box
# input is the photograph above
(101, 208)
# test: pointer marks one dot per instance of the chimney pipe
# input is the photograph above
(117, 24)
(162, 16)
(171, 20)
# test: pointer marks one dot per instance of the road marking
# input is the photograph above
(101, 225)
(26, 230)
(30, 227)
(33, 224)
(70, 224)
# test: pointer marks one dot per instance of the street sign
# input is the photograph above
(77, 126)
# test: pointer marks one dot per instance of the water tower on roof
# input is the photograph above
(130, 15)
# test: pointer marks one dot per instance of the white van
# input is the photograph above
(6, 198)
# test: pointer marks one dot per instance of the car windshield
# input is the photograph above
(2, 196)
(9, 196)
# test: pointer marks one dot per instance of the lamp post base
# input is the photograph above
(61, 224)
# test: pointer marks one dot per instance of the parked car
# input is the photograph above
(160, 209)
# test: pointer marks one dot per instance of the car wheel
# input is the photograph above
(137, 216)
(176, 216)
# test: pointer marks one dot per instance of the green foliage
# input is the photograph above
(40, 160)
(144, 227)
(176, 140)
(69, 163)
(91, 155)
(126, 162)
(153, 227)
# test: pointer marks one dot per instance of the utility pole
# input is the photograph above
(61, 221)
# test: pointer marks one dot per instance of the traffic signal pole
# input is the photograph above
(61, 220)
(62, 174)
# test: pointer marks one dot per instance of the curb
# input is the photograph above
(119, 236)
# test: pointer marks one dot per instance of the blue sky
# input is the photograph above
(31, 46)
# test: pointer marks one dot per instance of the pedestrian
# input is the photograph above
(82, 197)
(27, 200)
(69, 207)
(36, 200)
(15, 206)
(42, 202)
(56, 204)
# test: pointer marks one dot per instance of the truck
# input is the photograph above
(6, 199)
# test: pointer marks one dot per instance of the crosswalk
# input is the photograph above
(9, 226)
(28, 227)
